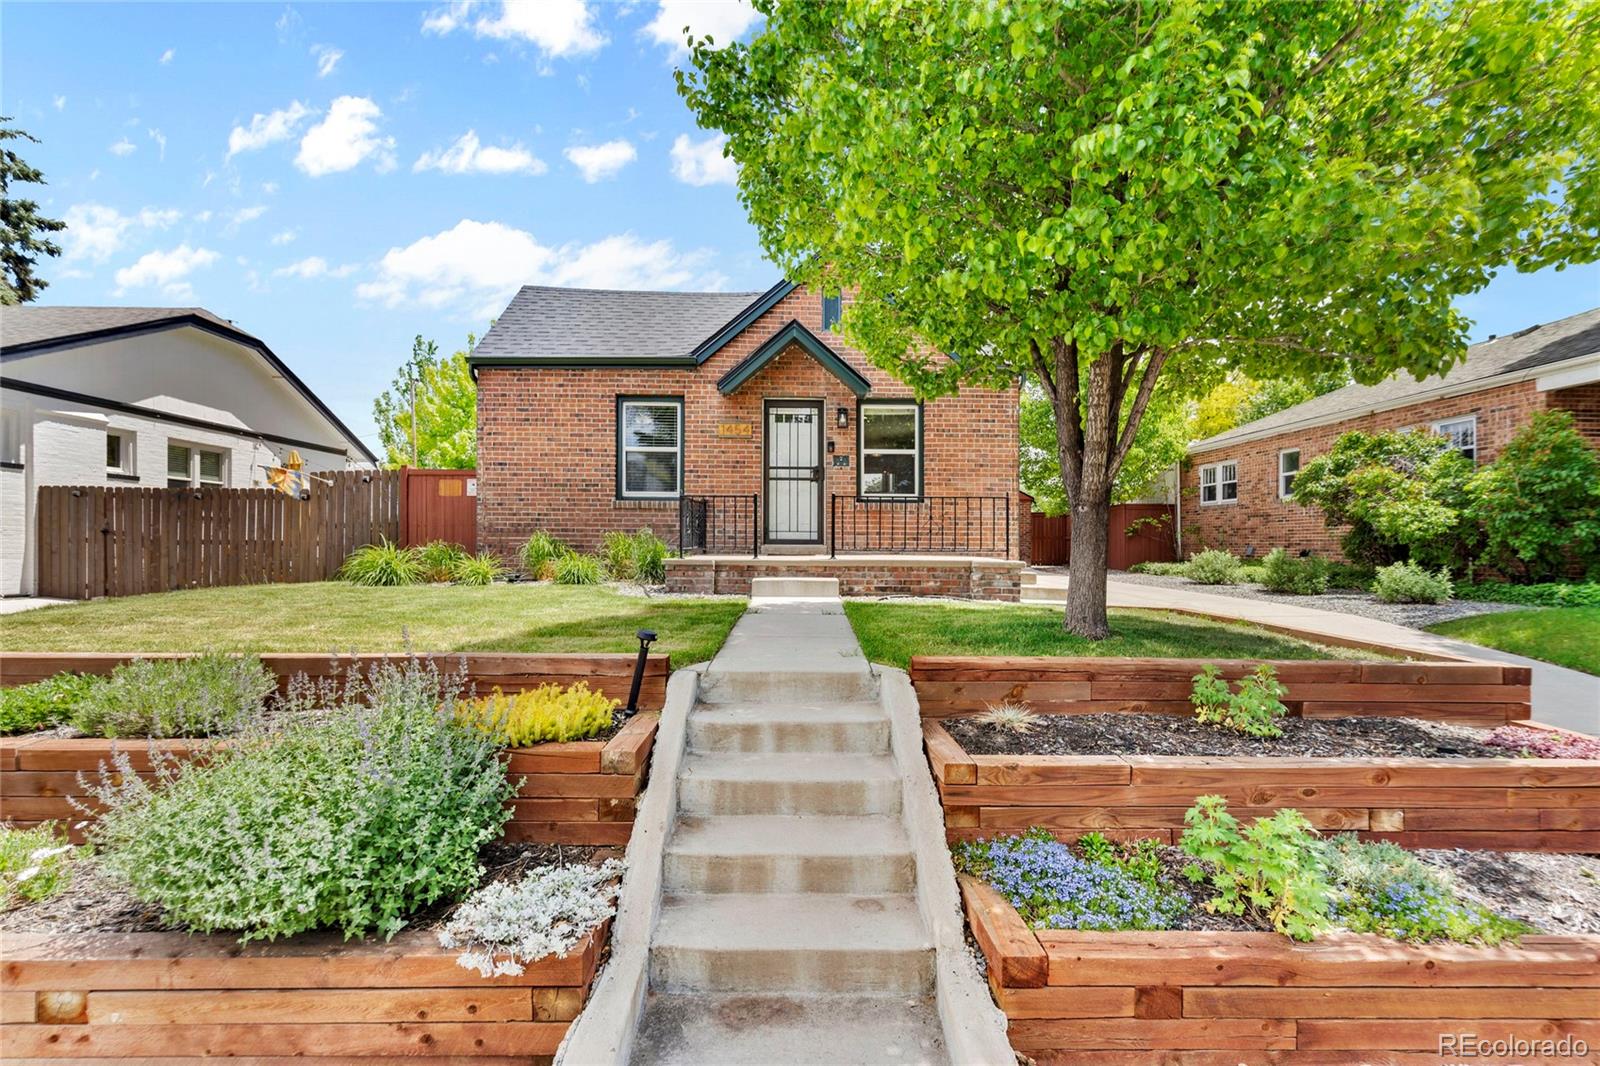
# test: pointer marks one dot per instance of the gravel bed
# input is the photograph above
(95, 901)
(1413, 615)
(1558, 894)
(1171, 734)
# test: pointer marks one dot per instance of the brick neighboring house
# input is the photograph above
(1234, 484)
(741, 418)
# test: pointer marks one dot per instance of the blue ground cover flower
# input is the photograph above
(1053, 888)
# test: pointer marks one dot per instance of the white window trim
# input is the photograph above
(623, 492)
(129, 450)
(1439, 428)
(915, 451)
(1282, 473)
(1217, 466)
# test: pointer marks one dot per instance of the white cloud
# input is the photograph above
(241, 217)
(95, 231)
(476, 266)
(346, 137)
(161, 142)
(167, 270)
(327, 58)
(600, 161)
(703, 163)
(285, 236)
(267, 129)
(60, 103)
(468, 156)
(556, 27)
(721, 20)
(123, 147)
(166, 57)
(314, 266)
(270, 188)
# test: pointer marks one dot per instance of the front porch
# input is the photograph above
(858, 574)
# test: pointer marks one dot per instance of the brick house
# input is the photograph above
(1235, 485)
(737, 425)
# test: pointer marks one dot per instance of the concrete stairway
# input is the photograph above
(789, 929)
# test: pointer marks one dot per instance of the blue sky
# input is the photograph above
(337, 178)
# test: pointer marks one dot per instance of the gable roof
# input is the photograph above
(26, 328)
(1488, 364)
(793, 333)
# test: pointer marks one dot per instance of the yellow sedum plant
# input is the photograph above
(546, 713)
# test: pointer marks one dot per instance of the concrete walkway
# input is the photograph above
(1561, 697)
(18, 604)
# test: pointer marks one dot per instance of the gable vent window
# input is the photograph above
(1462, 433)
(832, 308)
(649, 447)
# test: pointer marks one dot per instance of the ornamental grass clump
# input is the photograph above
(540, 553)
(1253, 710)
(1053, 888)
(204, 696)
(383, 565)
(504, 926)
(439, 559)
(35, 864)
(546, 713)
(485, 568)
(1009, 717)
(1543, 743)
(43, 704)
(352, 816)
(575, 569)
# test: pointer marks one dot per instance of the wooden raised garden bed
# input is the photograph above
(1143, 998)
(1506, 804)
(581, 792)
(161, 997)
(1464, 693)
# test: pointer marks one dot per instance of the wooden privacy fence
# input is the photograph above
(1139, 533)
(439, 505)
(124, 541)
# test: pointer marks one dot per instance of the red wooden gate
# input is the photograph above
(439, 505)
(1140, 533)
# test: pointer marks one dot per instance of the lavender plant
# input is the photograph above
(208, 695)
(350, 817)
(502, 927)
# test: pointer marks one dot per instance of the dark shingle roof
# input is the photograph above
(28, 325)
(543, 323)
(1529, 349)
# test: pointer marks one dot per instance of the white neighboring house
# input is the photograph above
(154, 396)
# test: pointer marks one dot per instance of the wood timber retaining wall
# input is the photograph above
(1219, 999)
(1466, 693)
(1504, 804)
(165, 997)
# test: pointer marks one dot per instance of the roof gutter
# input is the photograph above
(1438, 392)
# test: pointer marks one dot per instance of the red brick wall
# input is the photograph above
(1262, 520)
(547, 437)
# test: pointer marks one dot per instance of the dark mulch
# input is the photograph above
(1173, 860)
(95, 901)
(1170, 734)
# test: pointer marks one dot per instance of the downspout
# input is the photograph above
(1177, 505)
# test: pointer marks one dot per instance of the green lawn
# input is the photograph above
(1566, 636)
(893, 632)
(332, 616)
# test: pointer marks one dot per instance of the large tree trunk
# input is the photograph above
(1086, 591)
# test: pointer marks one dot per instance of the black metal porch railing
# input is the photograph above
(719, 525)
(931, 525)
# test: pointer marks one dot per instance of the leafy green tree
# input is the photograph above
(22, 228)
(1539, 501)
(1160, 443)
(446, 411)
(1397, 496)
(1109, 195)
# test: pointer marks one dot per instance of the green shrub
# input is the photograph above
(43, 704)
(384, 565)
(1282, 572)
(1396, 496)
(616, 555)
(1547, 594)
(208, 695)
(352, 819)
(1539, 501)
(1159, 569)
(481, 569)
(649, 558)
(1253, 710)
(1273, 868)
(439, 559)
(540, 553)
(35, 864)
(1214, 567)
(575, 569)
(1409, 583)
(1382, 888)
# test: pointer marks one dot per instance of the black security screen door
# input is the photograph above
(794, 472)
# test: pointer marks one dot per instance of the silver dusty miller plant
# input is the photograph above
(502, 926)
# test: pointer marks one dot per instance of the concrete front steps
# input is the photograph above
(1034, 592)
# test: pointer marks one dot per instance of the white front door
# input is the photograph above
(794, 472)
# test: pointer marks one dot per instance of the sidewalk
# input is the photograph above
(1561, 697)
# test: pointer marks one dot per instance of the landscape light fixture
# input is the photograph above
(646, 638)
(844, 417)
